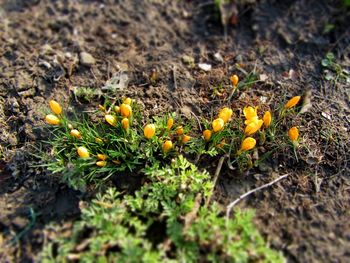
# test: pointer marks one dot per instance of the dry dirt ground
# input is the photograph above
(306, 216)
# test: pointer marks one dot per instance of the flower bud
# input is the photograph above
(167, 145)
(185, 139)
(101, 163)
(293, 134)
(218, 124)
(98, 140)
(170, 123)
(52, 119)
(125, 123)
(207, 135)
(75, 133)
(111, 119)
(225, 114)
(292, 102)
(101, 108)
(127, 101)
(117, 109)
(83, 152)
(180, 130)
(248, 144)
(267, 118)
(253, 127)
(234, 80)
(55, 107)
(250, 112)
(125, 110)
(102, 157)
(149, 131)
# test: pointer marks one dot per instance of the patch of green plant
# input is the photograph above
(85, 94)
(164, 221)
(333, 71)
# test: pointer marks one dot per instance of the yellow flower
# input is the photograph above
(293, 134)
(267, 118)
(167, 145)
(248, 144)
(52, 119)
(149, 131)
(125, 110)
(225, 114)
(253, 127)
(101, 163)
(102, 157)
(98, 140)
(75, 133)
(170, 123)
(250, 112)
(218, 124)
(234, 80)
(249, 121)
(207, 135)
(292, 102)
(127, 101)
(185, 138)
(180, 130)
(125, 123)
(117, 109)
(111, 119)
(83, 152)
(55, 107)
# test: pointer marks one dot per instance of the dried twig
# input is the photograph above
(232, 204)
(216, 176)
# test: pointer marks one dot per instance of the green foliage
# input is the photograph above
(116, 228)
(334, 71)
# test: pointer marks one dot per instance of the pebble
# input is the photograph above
(86, 59)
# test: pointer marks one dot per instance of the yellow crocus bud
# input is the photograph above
(292, 102)
(125, 123)
(149, 131)
(55, 107)
(267, 118)
(293, 134)
(249, 121)
(125, 110)
(101, 163)
(102, 157)
(117, 109)
(250, 112)
(127, 101)
(248, 144)
(167, 145)
(98, 140)
(83, 152)
(221, 144)
(185, 139)
(111, 119)
(225, 114)
(179, 130)
(253, 127)
(52, 119)
(218, 124)
(75, 133)
(170, 123)
(207, 135)
(234, 80)
(101, 108)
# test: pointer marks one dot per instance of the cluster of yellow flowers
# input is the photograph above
(124, 112)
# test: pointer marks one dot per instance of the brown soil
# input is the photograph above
(306, 216)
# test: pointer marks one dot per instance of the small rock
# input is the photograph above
(218, 57)
(204, 66)
(86, 59)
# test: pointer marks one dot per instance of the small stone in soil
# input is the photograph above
(86, 59)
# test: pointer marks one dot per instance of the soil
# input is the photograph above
(306, 216)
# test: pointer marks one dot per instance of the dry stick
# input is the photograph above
(216, 176)
(232, 204)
